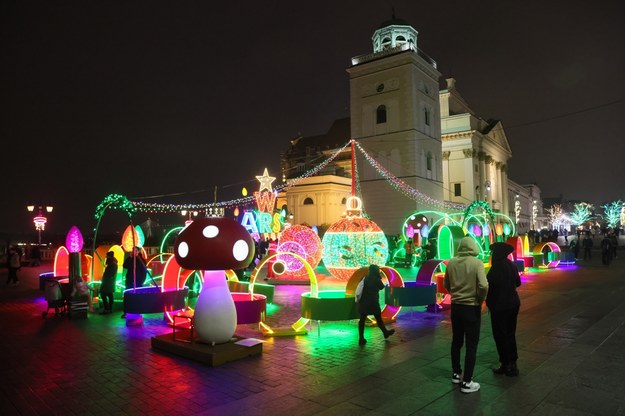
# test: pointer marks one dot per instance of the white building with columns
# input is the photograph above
(475, 153)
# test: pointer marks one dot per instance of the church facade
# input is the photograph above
(428, 138)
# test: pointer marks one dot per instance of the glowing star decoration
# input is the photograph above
(352, 243)
(304, 242)
(214, 245)
(130, 239)
(74, 240)
(265, 181)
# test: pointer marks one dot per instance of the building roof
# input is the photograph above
(394, 22)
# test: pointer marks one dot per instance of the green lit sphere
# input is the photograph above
(352, 243)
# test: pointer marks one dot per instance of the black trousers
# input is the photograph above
(465, 325)
(504, 333)
(378, 321)
(107, 300)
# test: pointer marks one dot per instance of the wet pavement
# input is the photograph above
(571, 339)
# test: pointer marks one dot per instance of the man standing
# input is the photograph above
(587, 244)
(465, 280)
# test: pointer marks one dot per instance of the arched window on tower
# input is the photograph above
(400, 40)
(309, 201)
(428, 165)
(380, 114)
(386, 43)
(343, 201)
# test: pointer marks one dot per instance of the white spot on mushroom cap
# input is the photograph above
(210, 231)
(183, 249)
(240, 250)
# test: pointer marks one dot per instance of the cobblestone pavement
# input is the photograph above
(571, 338)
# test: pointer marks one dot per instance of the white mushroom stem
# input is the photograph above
(215, 313)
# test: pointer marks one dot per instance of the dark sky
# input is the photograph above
(159, 97)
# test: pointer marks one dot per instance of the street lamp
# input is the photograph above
(40, 220)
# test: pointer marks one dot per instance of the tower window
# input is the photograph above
(343, 201)
(457, 189)
(380, 115)
(309, 201)
(428, 165)
(426, 116)
(386, 42)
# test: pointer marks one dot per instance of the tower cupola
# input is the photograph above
(394, 33)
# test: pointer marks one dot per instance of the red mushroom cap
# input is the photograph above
(213, 243)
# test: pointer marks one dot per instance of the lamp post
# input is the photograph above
(40, 220)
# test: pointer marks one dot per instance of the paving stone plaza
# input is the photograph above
(571, 338)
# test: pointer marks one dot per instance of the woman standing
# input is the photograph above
(504, 303)
(369, 303)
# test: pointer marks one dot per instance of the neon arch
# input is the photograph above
(546, 248)
(299, 325)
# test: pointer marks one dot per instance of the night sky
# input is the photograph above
(155, 98)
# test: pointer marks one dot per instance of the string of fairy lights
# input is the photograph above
(153, 207)
(406, 189)
(394, 181)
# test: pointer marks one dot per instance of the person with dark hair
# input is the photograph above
(503, 303)
(369, 303)
(107, 287)
(465, 280)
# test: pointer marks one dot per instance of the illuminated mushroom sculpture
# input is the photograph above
(214, 245)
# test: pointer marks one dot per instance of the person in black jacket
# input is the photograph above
(504, 303)
(107, 287)
(369, 303)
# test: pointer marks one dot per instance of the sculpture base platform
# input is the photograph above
(206, 353)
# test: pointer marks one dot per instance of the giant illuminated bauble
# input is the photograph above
(304, 242)
(352, 243)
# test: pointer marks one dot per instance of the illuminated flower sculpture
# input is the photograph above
(353, 242)
(304, 242)
(214, 245)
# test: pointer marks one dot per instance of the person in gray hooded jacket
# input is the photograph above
(465, 280)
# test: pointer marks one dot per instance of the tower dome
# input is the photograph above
(393, 33)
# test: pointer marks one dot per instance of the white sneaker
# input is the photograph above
(469, 387)
(455, 378)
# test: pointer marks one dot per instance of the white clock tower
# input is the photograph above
(395, 117)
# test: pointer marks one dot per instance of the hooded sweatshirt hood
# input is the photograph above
(468, 247)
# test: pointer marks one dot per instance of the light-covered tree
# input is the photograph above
(557, 216)
(582, 213)
(612, 213)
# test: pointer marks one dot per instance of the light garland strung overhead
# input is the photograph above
(406, 189)
(152, 207)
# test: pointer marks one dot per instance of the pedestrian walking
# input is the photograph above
(369, 303)
(503, 303)
(465, 280)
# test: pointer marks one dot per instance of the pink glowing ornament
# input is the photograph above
(214, 244)
(74, 240)
(304, 242)
(74, 243)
